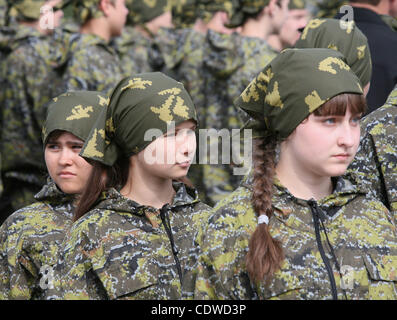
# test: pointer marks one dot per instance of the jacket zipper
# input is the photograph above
(167, 226)
(315, 213)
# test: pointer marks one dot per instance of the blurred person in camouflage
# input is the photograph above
(367, 14)
(94, 65)
(181, 50)
(296, 228)
(230, 63)
(136, 241)
(32, 47)
(298, 17)
(31, 237)
(144, 20)
(376, 159)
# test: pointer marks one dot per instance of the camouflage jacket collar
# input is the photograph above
(53, 195)
(12, 36)
(346, 189)
(113, 200)
(86, 40)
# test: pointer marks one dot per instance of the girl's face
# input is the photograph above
(170, 155)
(324, 146)
(68, 170)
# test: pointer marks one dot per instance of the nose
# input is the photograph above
(65, 158)
(348, 136)
(187, 143)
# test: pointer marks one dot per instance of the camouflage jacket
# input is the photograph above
(230, 64)
(376, 158)
(134, 51)
(359, 229)
(24, 98)
(122, 250)
(94, 65)
(29, 243)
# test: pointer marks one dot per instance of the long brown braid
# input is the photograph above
(265, 253)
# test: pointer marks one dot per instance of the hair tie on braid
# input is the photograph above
(263, 219)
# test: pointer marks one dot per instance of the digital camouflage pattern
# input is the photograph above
(134, 50)
(25, 96)
(359, 229)
(184, 13)
(344, 37)
(121, 250)
(245, 9)
(3, 12)
(329, 8)
(376, 159)
(142, 11)
(84, 10)
(29, 243)
(231, 62)
(93, 65)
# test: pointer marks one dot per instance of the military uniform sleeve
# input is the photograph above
(74, 278)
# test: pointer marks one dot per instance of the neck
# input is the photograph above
(257, 28)
(148, 190)
(143, 31)
(381, 8)
(275, 42)
(300, 183)
(97, 27)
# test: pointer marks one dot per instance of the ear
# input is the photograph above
(269, 9)
(104, 6)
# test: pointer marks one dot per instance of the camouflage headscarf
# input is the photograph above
(329, 8)
(84, 10)
(75, 112)
(184, 13)
(293, 85)
(206, 8)
(29, 9)
(349, 40)
(244, 10)
(142, 11)
(137, 104)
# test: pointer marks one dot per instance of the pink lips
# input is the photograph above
(342, 156)
(66, 174)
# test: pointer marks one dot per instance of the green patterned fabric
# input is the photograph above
(142, 11)
(137, 104)
(75, 112)
(341, 36)
(84, 10)
(293, 85)
(245, 9)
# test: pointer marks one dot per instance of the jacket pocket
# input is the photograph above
(382, 276)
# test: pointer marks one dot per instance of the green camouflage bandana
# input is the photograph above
(75, 112)
(244, 10)
(344, 37)
(184, 13)
(296, 4)
(84, 10)
(142, 11)
(137, 104)
(206, 8)
(329, 8)
(293, 85)
(25, 9)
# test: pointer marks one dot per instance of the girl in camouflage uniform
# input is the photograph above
(136, 241)
(296, 229)
(30, 237)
